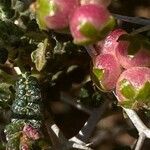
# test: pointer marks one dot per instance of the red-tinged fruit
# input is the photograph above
(106, 72)
(133, 87)
(54, 14)
(90, 23)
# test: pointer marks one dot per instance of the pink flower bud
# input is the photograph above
(90, 23)
(31, 132)
(110, 42)
(107, 71)
(141, 58)
(55, 14)
(133, 86)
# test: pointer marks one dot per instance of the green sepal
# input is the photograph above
(128, 103)
(92, 34)
(110, 24)
(85, 41)
(95, 80)
(98, 73)
(88, 30)
(96, 76)
(127, 90)
(144, 93)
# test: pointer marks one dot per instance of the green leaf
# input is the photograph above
(127, 90)
(13, 128)
(39, 55)
(5, 95)
(13, 144)
(84, 93)
(144, 93)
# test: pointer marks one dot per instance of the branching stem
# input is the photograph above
(140, 141)
(86, 131)
(144, 132)
(136, 20)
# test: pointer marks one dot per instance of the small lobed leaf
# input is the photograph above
(39, 55)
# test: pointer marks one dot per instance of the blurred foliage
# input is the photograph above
(58, 64)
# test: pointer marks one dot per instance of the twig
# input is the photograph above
(144, 132)
(140, 30)
(18, 71)
(91, 51)
(71, 101)
(59, 142)
(85, 133)
(135, 20)
(78, 146)
(140, 141)
(140, 126)
(54, 132)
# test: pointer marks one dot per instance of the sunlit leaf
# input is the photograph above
(39, 55)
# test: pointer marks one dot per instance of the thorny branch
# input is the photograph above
(140, 126)
(136, 20)
(59, 142)
(85, 133)
(140, 141)
(89, 126)
(69, 100)
(144, 132)
(142, 29)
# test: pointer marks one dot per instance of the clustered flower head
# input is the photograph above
(130, 78)
(87, 21)
(122, 64)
